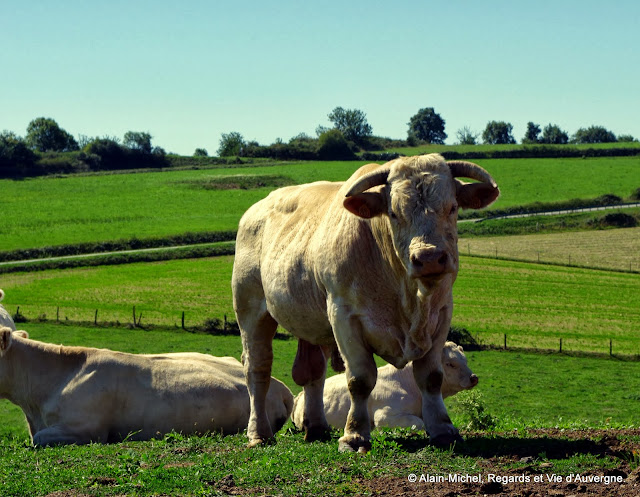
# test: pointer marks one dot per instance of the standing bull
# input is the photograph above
(367, 264)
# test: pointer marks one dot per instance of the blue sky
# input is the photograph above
(189, 71)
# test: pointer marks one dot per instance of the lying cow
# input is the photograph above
(80, 395)
(367, 264)
(395, 400)
(5, 317)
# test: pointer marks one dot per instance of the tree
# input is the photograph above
(44, 135)
(498, 133)
(231, 144)
(466, 136)
(531, 136)
(593, 134)
(626, 138)
(427, 126)
(554, 135)
(15, 157)
(352, 123)
(140, 141)
(201, 152)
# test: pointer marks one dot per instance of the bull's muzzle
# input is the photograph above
(427, 263)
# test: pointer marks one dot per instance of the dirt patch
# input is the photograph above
(510, 466)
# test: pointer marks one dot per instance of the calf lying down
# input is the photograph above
(77, 395)
(395, 400)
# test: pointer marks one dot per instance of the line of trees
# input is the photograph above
(47, 146)
(349, 134)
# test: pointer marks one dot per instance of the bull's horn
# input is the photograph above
(464, 169)
(375, 178)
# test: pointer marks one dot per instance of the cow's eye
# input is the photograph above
(450, 365)
(392, 215)
(454, 210)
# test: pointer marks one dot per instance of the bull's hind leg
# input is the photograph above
(257, 329)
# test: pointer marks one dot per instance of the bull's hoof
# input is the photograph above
(317, 434)
(446, 440)
(354, 443)
(257, 442)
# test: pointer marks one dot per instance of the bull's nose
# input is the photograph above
(474, 380)
(429, 262)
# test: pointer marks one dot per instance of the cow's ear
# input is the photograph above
(5, 340)
(21, 333)
(367, 204)
(475, 195)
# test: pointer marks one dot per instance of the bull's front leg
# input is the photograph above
(429, 374)
(361, 378)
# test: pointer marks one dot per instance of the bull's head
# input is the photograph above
(421, 197)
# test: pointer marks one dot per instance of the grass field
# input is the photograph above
(610, 249)
(53, 211)
(535, 305)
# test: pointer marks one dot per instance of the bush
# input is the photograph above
(472, 405)
(16, 159)
(334, 146)
(619, 220)
(636, 194)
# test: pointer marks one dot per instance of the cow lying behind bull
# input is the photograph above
(395, 401)
(367, 264)
(77, 395)
(5, 317)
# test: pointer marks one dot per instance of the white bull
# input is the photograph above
(395, 401)
(368, 264)
(5, 317)
(77, 395)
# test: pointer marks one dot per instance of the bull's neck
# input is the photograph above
(417, 312)
(38, 370)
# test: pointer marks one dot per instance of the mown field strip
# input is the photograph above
(610, 249)
(533, 303)
(54, 211)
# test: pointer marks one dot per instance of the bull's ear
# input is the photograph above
(366, 205)
(475, 195)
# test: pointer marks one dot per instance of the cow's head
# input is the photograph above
(457, 374)
(421, 197)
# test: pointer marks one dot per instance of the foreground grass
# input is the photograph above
(215, 465)
(54, 211)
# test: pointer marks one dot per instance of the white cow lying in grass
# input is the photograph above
(5, 318)
(395, 400)
(77, 395)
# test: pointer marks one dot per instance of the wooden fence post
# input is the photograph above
(183, 320)
(561, 345)
(95, 318)
(610, 346)
(505, 341)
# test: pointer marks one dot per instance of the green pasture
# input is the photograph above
(518, 389)
(535, 305)
(483, 148)
(49, 211)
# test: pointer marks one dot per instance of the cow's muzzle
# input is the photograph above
(430, 263)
